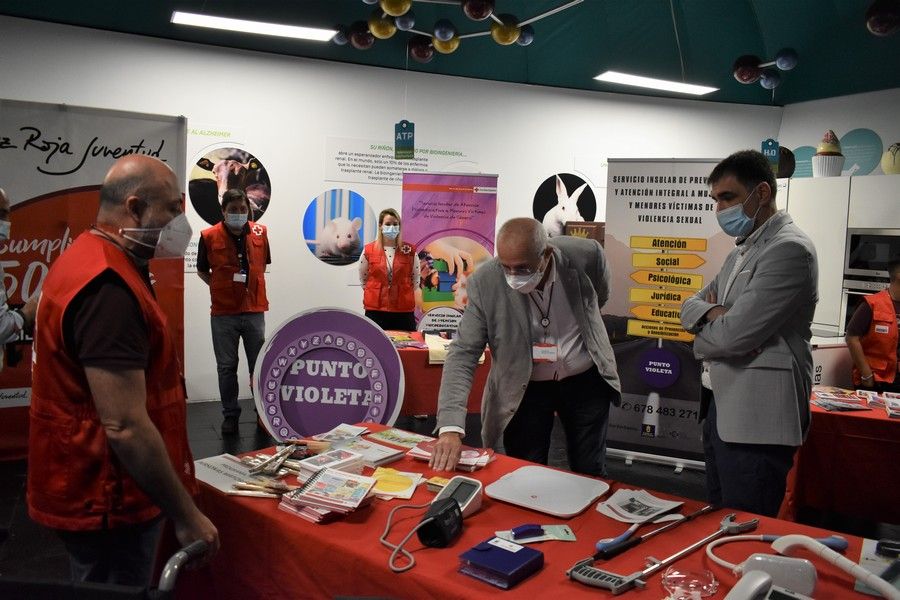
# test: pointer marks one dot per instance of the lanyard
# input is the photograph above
(545, 317)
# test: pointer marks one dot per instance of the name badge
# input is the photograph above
(881, 329)
(240, 278)
(543, 353)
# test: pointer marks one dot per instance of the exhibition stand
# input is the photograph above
(423, 382)
(268, 553)
(847, 466)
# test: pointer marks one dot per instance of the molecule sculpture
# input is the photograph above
(750, 69)
(392, 16)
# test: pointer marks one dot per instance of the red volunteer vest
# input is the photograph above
(880, 342)
(230, 297)
(398, 295)
(75, 482)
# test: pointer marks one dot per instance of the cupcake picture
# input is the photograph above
(828, 160)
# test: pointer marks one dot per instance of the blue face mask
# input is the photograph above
(235, 220)
(734, 221)
(390, 231)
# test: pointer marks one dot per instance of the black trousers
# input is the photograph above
(748, 477)
(400, 321)
(582, 403)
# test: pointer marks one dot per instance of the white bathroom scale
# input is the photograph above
(546, 490)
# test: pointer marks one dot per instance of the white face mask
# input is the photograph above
(525, 284)
(236, 220)
(4, 230)
(171, 240)
(390, 231)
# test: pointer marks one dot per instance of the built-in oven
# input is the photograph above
(855, 290)
(869, 251)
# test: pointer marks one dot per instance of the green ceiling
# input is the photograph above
(838, 55)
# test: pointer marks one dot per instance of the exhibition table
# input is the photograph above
(267, 553)
(848, 465)
(422, 381)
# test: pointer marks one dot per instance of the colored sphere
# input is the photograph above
(340, 37)
(405, 22)
(478, 10)
(371, 1)
(786, 59)
(506, 32)
(360, 36)
(420, 49)
(883, 17)
(444, 30)
(770, 79)
(746, 69)
(395, 8)
(526, 35)
(380, 26)
(445, 46)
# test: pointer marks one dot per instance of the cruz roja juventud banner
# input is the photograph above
(52, 161)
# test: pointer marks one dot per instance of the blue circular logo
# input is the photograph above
(659, 368)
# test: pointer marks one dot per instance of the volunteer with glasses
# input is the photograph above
(231, 260)
(537, 306)
(108, 454)
(389, 273)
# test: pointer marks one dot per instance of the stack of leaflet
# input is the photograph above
(374, 455)
(842, 400)
(398, 437)
(327, 495)
(337, 459)
(470, 459)
(390, 483)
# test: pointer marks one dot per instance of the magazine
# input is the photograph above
(398, 437)
(340, 433)
(470, 458)
(635, 506)
(333, 490)
(373, 453)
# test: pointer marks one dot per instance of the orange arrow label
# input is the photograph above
(678, 280)
(658, 296)
(657, 313)
(666, 261)
(647, 242)
(658, 330)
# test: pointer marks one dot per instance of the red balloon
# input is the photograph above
(883, 17)
(360, 38)
(478, 10)
(746, 69)
(420, 49)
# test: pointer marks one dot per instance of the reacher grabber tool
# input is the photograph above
(585, 573)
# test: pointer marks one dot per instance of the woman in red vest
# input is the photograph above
(388, 270)
(873, 338)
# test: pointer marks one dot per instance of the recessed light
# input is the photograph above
(257, 27)
(656, 84)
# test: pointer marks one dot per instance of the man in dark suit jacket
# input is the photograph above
(537, 306)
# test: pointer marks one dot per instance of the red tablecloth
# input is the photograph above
(267, 553)
(423, 381)
(849, 465)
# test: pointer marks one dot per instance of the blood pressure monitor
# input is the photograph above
(466, 491)
(442, 524)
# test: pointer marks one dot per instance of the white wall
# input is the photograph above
(805, 123)
(288, 107)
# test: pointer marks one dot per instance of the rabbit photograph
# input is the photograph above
(561, 198)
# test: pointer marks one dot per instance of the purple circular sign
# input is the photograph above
(326, 367)
(659, 368)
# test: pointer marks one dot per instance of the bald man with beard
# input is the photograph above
(108, 449)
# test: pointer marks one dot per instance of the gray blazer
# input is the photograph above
(759, 352)
(498, 316)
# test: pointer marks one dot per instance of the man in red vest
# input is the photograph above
(872, 337)
(108, 449)
(232, 260)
